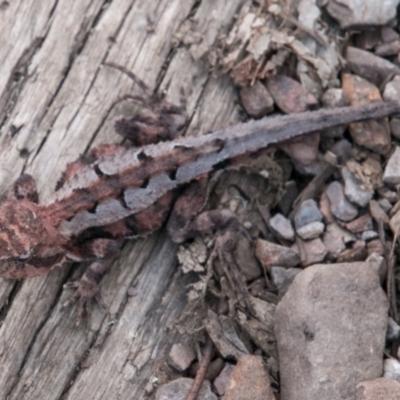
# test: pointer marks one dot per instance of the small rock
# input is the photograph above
(360, 224)
(336, 238)
(391, 369)
(392, 89)
(222, 379)
(283, 278)
(354, 189)
(341, 208)
(393, 331)
(270, 254)
(388, 34)
(395, 127)
(379, 264)
(307, 213)
(388, 194)
(378, 389)
(316, 323)
(367, 236)
(180, 357)
(282, 227)
(377, 213)
(311, 231)
(374, 134)
(256, 100)
(289, 95)
(342, 150)
(385, 205)
(371, 67)
(180, 388)
(249, 380)
(362, 13)
(388, 49)
(392, 170)
(311, 251)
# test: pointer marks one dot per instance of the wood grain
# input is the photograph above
(56, 102)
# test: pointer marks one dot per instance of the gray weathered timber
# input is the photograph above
(55, 103)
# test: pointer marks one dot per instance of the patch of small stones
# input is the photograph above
(323, 251)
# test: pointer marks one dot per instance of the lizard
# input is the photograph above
(114, 192)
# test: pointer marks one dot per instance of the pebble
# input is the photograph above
(371, 67)
(393, 331)
(378, 389)
(180, 357)
(385, 205)
(392, 170)
(311, 251)
(391, 369)
(290, 95)
(270, 254)
(311, 231)
(282, 227)
(373, 134)
(341, 208)
(354, 189)
(377, 213)
(249, 380)
(178, 389)
(283, 278)
(356, 13)
(222, 379)
(366, 236)
(317, 322)
(256, 100)
(336, 238)
(307, 213)
(360, 224)
(392, 93)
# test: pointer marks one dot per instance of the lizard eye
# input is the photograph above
(24, 257)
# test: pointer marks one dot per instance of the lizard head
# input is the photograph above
(28, 246)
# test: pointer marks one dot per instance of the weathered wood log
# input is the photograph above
(56, 102)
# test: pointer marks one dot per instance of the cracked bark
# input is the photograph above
(56, 102)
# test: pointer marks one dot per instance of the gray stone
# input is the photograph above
(181, 356)
(392, 170)
(308, 212)
(391, 369)
(341, 208)
(330, 334)
(282, 227)
(311, 251)
(335, 239)
(362, 13)
(366, 236)
(354, 189)
(393, 330)
(311, 231)
(283, 277)
(180, 388)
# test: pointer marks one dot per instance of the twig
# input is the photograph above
(201, 373)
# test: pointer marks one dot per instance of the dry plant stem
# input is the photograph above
(201, 373)
(390, 282)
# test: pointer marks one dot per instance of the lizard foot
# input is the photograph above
(87, 290)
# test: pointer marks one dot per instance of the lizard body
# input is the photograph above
(115, 192)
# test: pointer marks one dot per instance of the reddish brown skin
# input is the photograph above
(33, 239)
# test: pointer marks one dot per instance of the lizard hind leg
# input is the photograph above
(86, 290)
